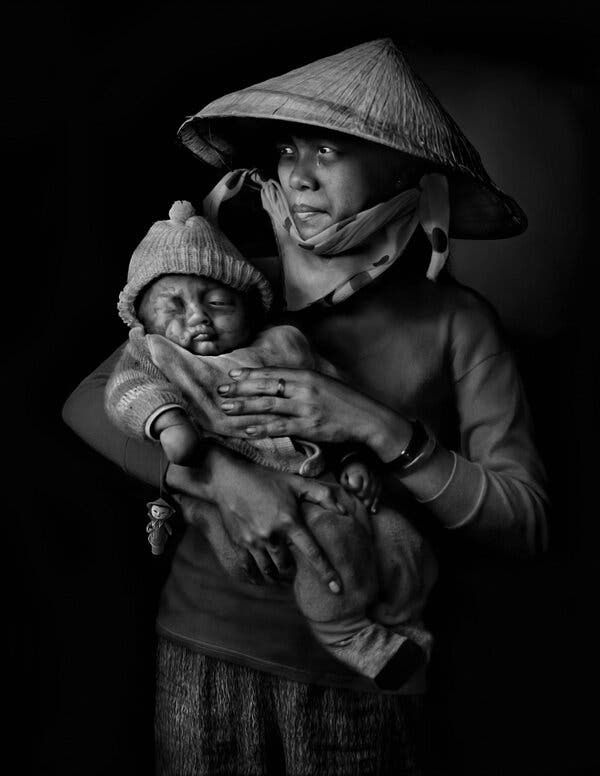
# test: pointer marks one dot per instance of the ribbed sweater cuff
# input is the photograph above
(459, 500)
(150, 420)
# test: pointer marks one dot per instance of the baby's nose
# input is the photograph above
(197, 314)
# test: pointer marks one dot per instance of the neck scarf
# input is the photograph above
(332, 265)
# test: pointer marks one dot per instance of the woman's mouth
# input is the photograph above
(306, 211)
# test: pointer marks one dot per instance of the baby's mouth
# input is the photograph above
(203, 336)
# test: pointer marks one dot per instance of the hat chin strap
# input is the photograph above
(434, 217)
(432, 211)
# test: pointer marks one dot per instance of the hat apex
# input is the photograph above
(371, 92)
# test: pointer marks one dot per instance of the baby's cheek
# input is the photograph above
(176, 332)
(233, 328)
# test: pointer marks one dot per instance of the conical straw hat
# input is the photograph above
(371, 92)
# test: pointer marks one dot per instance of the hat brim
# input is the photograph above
(478, 208)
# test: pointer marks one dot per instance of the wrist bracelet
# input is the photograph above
(417, 452)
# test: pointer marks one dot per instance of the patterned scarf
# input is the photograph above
(332, 265)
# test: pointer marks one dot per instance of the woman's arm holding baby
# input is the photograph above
(84, 412)
(255, 503)
(492, 487)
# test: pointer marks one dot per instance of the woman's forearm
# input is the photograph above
(200, 482)
(498, 498)
(84, 413)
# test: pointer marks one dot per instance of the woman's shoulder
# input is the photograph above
(473, 328)
(467, 307)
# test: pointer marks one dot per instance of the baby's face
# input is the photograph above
(198, 313)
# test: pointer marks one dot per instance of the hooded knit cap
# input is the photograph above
(370, 92)
(188, 244)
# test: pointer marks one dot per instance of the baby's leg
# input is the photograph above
(341, 622)
(407, 570)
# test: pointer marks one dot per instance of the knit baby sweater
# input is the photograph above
(138, 390)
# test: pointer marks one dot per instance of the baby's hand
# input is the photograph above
(178, 437)
(361, 480)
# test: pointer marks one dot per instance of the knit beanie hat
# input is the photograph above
(188, 244)
(370, 92)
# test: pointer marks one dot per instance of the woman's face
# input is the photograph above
(327, 176)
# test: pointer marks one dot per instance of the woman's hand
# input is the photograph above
(308, 405)
(237, 561)
(259, 510)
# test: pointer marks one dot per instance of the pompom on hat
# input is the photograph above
(368, 91)
(188, 244)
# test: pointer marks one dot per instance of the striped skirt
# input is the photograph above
(215, 718)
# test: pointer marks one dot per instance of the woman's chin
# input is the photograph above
(312, 225)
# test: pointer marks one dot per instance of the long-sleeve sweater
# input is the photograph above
(427, 350)
(139, 388)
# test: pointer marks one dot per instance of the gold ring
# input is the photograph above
(280, 387)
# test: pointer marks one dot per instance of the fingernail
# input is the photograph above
(223, 389)
(334, 587)
(235, 372)
(373, 510)
(251, 430)
(342, 510)
(228, 405)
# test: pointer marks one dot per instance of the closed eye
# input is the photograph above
(220, 300)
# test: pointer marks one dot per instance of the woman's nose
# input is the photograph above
(302, 175)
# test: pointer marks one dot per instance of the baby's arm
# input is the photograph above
(144, 404)
(178, 437)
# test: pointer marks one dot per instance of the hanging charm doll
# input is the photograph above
(158, 529)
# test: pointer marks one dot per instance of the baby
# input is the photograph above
(193, 302)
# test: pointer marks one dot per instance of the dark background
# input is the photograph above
(93, 96)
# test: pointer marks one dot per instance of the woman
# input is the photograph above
(372, 178)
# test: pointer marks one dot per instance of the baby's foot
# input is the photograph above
(357, 478)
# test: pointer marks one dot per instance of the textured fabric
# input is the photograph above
(371, 92)
(387, 571)
(431, 351)
(153, 372)
(214, 718)
(187, 244)
(137, 388)
(333, 265)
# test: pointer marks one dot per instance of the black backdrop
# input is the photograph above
(93, 97)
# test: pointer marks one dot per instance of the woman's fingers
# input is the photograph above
(260, 404)
(281, 558)
(273, 428)
(236, 425)
(318, 493)
(264, 386)
(266, 568)
(304, 543)
(270, 373)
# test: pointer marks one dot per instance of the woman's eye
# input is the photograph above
(285, 150)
